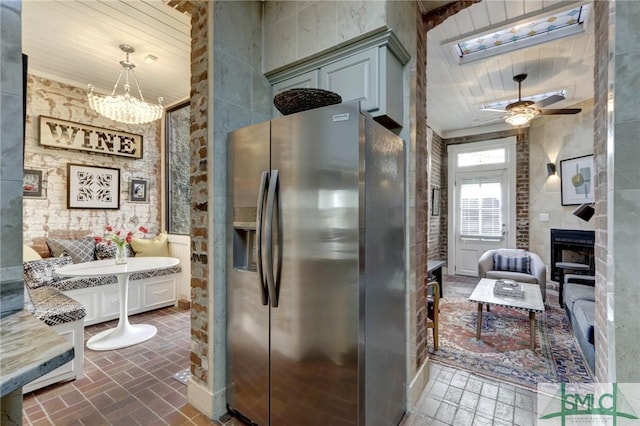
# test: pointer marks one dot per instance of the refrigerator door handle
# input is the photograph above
(277, 205)
(271, 207)
(264, 182)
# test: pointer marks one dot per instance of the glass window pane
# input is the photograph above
(481, 208)
(492, 156)
(178, 161)
(549, 27)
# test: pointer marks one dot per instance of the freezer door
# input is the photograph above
(314, 327)
(247, 308)
(385, 353)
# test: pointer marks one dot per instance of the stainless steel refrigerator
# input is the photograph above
(316, 329)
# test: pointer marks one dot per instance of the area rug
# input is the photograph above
(503, 351)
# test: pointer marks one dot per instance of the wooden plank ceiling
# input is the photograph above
(455, 92)
(76, 42)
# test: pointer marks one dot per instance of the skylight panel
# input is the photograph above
(541, 30)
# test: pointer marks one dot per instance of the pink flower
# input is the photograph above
(119, 237)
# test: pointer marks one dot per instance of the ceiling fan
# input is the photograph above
(521, 112)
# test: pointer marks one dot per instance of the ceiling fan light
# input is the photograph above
(521, 114)
(519, 119)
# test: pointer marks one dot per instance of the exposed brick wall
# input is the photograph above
(601, 81)
(421, 196)
(444, 202)
(522, 189)
(43, 215)
(438, 16)
(436, 177)
(522, 177)
(200, 286)
(422, 155)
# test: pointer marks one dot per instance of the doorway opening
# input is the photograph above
(482, 191)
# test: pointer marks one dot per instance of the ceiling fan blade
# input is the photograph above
(548, 101)
(482, 123)
(561, 111)
(493, 110)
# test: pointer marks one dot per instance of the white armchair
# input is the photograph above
(537, 274)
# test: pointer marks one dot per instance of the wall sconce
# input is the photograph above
(585, 212)
(551, 169)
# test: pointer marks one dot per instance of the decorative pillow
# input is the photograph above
(41, 272)
(158, 246)
(29, 254)
(80, 250)
(108, 251)
(512, 263)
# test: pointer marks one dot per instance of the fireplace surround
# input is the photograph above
(572, 245)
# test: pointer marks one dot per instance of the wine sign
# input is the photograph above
(69, 135)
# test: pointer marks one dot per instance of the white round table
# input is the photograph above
(125, 334)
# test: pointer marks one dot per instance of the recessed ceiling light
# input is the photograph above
(149, 59)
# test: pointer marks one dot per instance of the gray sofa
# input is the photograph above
(580, 305)
(537, 275)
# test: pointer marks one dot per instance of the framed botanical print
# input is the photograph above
(139, 190)
(91, 187)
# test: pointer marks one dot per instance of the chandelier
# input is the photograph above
(125, 108)
(521, 112)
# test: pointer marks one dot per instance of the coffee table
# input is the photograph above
(531, 302)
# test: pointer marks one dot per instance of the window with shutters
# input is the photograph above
(481, 208)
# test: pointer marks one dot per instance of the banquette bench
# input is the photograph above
(66, 316)
(147, 291)
(70, 304)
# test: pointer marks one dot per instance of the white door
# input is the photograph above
(482, 208)
(481, 222)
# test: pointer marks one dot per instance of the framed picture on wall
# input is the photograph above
(139, 190)
(32, 185)
(577, 179)
(90, 187)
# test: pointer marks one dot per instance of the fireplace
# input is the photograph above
(570, 245)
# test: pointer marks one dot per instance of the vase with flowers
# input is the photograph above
(119, 239)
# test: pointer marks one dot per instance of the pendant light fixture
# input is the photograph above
(125, 108)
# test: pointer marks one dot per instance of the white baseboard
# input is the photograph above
(417, 385)
(200, 397)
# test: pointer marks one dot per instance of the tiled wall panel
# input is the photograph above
(297, 29)
(11, 288)
(623, 196)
